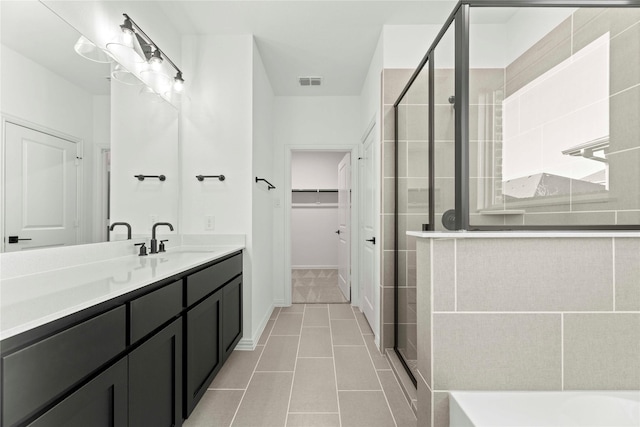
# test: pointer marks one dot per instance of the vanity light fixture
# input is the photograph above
(123, 75)
(139, 44)
(85, 48)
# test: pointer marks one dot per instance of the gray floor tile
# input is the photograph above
(266, 332)
(365, 328)
(216, 408)
(364, 409)
(279, 354)
(266, 400)
(288, 324)
(274, 313)
(294, 308)
(316, 316)
(340, 311)
(237, 370)
(315, 342)
(354, 370)
(379, 360)
(313, 420)
(346, 332)
(398, 403)
(314, 387)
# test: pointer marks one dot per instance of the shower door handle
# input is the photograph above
(372, 240)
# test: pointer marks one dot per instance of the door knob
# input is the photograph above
(15, 239)
(372, 240)
(338, 232)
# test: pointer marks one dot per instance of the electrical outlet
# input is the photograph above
(209, 222)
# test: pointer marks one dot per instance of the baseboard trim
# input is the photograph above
(249, 344)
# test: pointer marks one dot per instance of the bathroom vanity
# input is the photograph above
(131, 341)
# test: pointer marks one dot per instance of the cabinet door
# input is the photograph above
(231, 316)
(204, 347)
(102, 402)
(155, 380)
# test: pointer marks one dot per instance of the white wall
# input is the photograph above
(144, 140)
(314, 243)
(262, 209)
(34, 94)
(404, 46)
(315, 169)
(227, 128)
(332, 122)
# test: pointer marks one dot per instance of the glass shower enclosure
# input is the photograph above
(522, 115)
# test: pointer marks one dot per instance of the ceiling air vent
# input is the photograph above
(310, 81)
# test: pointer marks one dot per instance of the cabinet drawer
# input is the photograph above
(204, 282)
(35, 375)
(152, 310)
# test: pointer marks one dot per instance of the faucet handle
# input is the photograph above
(161, 248)
(143, 249)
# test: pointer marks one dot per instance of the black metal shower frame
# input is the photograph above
(460, 18)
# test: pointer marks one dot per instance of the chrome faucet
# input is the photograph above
(126, 224)
(154, 242)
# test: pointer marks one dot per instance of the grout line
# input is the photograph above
(314, 413)
(226, 389)
(535, 312)
(373, 365)
(335, 371)
(295, 366)
(613, 256)
(455, 275)
(235, 414)
(562, 352)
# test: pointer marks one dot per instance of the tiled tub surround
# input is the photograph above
(42, 286)
(536, 311)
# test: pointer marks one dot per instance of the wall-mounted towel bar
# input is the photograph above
(142, 177)
(202, 177)
(270, 185)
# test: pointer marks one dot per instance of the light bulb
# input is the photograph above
(178, 82)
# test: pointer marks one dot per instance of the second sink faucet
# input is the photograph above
(154, 242)
(126, 224)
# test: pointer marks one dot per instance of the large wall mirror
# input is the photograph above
(73, 140)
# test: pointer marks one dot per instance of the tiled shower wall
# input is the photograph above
(526, 314)
(622, 206)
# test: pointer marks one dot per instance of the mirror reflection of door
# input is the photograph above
(41, 193)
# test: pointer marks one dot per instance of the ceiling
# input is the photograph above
(331, 39)
(31, 29)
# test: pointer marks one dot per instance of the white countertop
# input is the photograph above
(567, 234)
(29, 301)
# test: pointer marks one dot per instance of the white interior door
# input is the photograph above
(40, 190)
(367, 232)
(344, 226)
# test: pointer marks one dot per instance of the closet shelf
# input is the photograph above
(314, 205)
(311, 190)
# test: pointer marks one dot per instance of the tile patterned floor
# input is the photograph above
(316, 286)
(315, 365)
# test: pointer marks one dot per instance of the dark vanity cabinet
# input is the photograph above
(213, 324)
(128, 361)
(155, 364)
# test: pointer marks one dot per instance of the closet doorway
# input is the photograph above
(320, 226)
